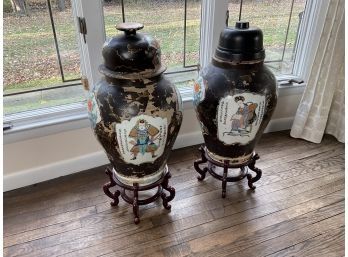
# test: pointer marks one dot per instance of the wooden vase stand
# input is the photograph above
(161, 184)
(212, 164)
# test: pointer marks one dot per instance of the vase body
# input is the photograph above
(235, 96)
(135, 112)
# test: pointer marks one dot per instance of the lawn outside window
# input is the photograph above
(204, 21)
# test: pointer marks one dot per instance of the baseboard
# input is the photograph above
(279, 124)
(188, 139)
(54, 170)
(70, 166)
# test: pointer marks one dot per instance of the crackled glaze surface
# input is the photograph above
(234, 103)
(139, 122)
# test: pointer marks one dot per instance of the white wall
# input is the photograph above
(38, 159)
(57, 154)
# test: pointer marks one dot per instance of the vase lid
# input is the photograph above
(240, 43)
(131, 54)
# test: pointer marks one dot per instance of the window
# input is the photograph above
(41, 57)
(175, 24)
(188, 31)
(280, 22)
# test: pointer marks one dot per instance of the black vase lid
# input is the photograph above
(241, 43)
(131, 55)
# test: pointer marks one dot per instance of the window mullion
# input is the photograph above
(49, 7)
(90, 51)
(309, 34)
(213, 20)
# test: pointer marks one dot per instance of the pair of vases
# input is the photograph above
(136, 113)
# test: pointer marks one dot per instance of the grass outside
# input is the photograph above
(30, 59)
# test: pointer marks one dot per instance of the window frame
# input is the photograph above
(51, 120)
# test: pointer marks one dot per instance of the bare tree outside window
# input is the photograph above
(61, 5)
(20, 7)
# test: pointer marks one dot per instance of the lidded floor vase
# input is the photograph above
(235, 95)
(135, 112)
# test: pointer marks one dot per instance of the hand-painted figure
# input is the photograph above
(244, 116)
(143, 134)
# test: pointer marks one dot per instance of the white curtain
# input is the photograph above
(321, 109)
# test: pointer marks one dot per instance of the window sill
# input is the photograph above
(33, 124)
(48, 121)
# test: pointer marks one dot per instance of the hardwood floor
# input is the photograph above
(297, 209)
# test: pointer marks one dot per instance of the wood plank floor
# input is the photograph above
(297, 209)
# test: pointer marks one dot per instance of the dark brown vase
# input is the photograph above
(135, 112)
(235, 95)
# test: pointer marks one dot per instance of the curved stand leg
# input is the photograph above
(107, 187)
(258, 172)
(224, 179)
(198, 162)
(166, 199)
(135, 204)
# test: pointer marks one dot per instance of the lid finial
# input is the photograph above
(129, 28)
(242, 25)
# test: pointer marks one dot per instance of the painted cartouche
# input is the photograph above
(235, 95)
(135, 112)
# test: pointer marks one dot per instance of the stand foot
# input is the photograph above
(107, 187)
(224, 179)
(116, 201)
(196, 164)
(135, 204)
(166, 199)
(258, 172)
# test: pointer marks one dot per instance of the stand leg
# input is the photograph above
(135, 204)
(198, 162)
(258, 172)
(166, 199)
(107, 186)
(224, 179)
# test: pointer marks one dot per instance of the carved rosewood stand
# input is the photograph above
(212, 164)
(161, 184)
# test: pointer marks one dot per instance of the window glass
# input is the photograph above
(279, 21)
(40, 51)
(174, 23)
